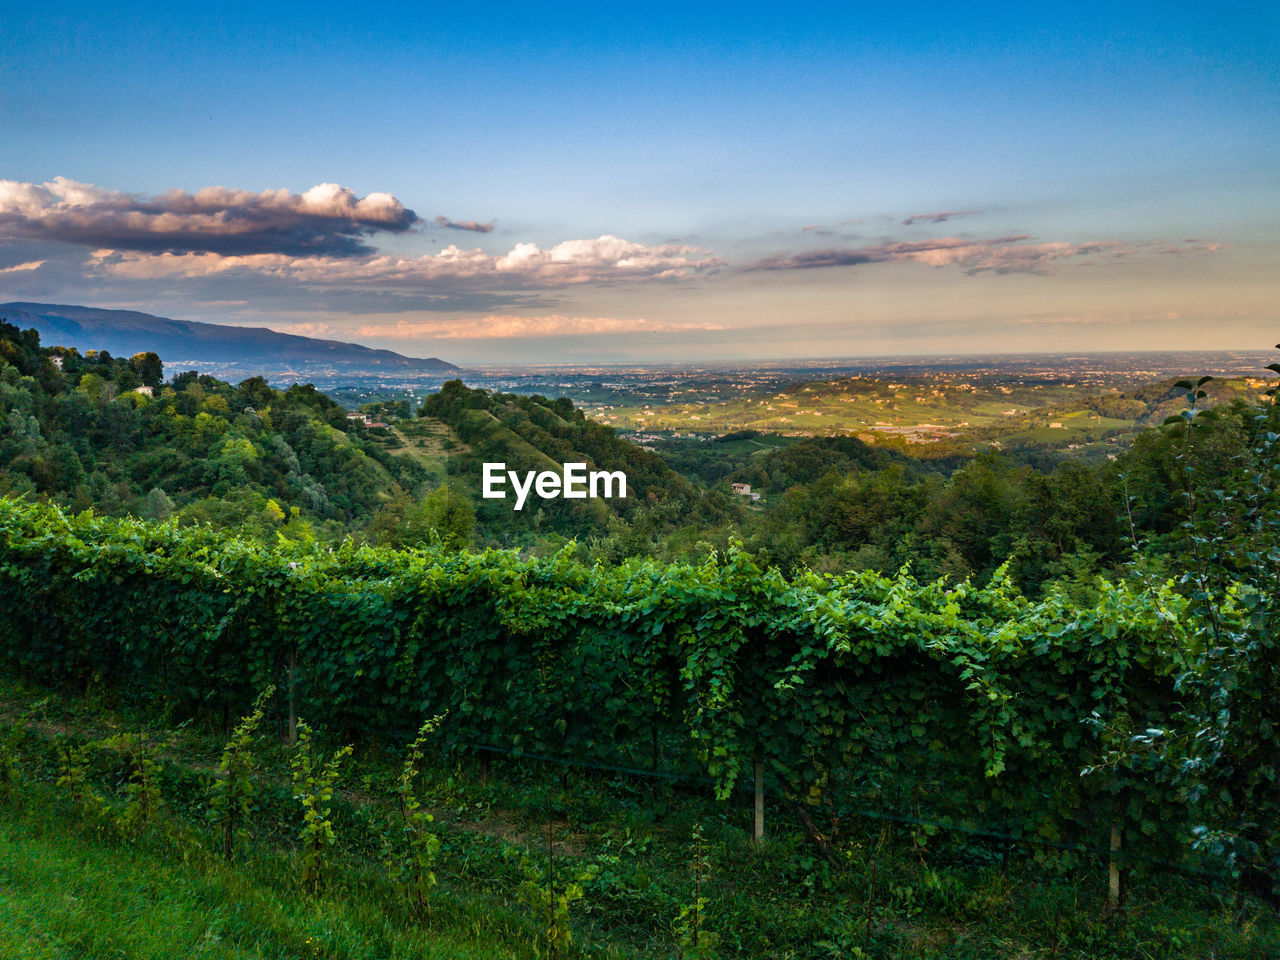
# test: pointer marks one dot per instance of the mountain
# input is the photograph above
(247, 350)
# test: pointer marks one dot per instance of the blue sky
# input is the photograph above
(1108, 175)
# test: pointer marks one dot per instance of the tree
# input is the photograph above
(254, 393)
(157, 505)
(96, 388)
(127, 379)
(446, 513)
(1219, 751)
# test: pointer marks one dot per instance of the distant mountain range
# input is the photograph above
(219, 348)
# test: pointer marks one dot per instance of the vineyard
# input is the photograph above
(972, 708)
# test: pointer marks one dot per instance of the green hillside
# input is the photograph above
(75, 431)
(92, 431)
(534, 433)
(95, 431)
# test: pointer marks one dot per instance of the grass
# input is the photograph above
(72, 886)
(426, 440)
(68, 892)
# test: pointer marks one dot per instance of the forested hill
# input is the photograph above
(98, 431)
(95, 431)
(810, 460)
(535, 433)
(128, 332)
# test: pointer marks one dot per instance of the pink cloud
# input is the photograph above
(572, 262)
(512, 326)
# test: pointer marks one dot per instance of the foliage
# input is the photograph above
(693, 940)
(410, 851)
(534, 433)
(73, 778)
(852, 688)
(270, 464)
(444, 517)
(1219, 750)
(11, 736)
(142, 791)
(966, 700)
(245, 456)
(549, 900)
(233, 787)
(959, 897)
(313, 785)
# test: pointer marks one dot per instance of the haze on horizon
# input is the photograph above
(528, 184)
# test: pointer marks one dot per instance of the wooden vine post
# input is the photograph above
(551, 873)
(293, 699)
(759, 824)
(1115, 887)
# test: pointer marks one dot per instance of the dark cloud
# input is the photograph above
(941, 217)
(473, 226)
(327, 220)
(815, 259)
(999, 255)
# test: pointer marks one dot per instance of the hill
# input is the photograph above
(93, 431)
(535, 433)
(109, 433)
(248, 350)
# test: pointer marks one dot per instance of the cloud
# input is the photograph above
(1098, 319)
(826, 230)
(1188, 248)
(312, 328)
(327, 220)
(24, 267)
(526, 265)
(510, 326)
(942, 217)
(813, 259)
(1000, 255)
(471, 225)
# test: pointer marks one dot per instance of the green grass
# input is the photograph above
(428, 441)
(71, 887)
(69, 892)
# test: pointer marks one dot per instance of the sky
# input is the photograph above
(579, 183)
